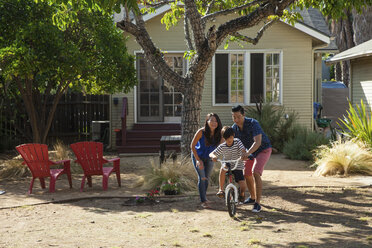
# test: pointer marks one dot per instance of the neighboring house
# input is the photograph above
(283, 68)
(361, 72)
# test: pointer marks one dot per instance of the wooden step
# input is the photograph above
(157, 126)
(145, 149)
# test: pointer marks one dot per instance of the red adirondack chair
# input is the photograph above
(36, 157)
(89, 155)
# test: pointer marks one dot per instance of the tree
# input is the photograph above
(43, 61)
(202, 43)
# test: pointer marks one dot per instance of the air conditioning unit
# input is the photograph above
(100, 131)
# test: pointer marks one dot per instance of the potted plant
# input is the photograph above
(170, 188)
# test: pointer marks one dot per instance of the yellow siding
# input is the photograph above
(296, 48)
(361, 81)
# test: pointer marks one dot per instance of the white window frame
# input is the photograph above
(247, 78)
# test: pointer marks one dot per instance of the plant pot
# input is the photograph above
(170, 192)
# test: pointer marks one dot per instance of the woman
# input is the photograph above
(206, 139)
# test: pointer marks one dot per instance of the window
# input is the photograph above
(237, 81)
(172, 99)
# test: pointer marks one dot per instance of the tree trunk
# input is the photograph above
(191, 114)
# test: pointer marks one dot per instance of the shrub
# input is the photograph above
(181, 173)
(275, 122)
(302, 142)
(343, 158)
(358, 123)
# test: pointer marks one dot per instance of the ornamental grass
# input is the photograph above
(343, 158)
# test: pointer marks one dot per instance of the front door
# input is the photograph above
(157, 100)
(149, 92)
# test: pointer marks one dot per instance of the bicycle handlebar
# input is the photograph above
(236, 161)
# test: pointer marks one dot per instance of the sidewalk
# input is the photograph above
(279, 172)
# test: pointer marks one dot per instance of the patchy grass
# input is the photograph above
(254, 242)
(194, 230)
(207, 235)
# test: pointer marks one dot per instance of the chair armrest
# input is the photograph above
(65, 162)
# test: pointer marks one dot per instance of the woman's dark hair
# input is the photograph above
(238, 108)
(215, 139)
(227, 132)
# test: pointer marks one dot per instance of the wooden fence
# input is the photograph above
(72, 121)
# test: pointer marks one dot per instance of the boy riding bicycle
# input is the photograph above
(231, 149)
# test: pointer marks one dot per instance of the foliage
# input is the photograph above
(42, 61)
(358, 123)
(275, 121)
(170, 186)
(202, 36)
(302, 142)
(184, 175)
(343, 158)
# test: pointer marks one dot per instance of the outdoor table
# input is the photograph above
(168, 140)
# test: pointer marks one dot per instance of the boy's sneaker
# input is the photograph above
(256, 208)
(241, 198)
(249, 201)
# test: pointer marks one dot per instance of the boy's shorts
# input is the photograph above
(238, 175)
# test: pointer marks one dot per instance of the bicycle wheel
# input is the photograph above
(230, 202)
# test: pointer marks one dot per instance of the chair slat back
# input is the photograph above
(89, 155)
(37, 158)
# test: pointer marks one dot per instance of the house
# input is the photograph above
(360, 72)
(284, 68)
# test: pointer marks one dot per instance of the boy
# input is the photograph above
(231, 149)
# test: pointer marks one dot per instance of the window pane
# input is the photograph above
(268, 84)
(233, 71)
(154, 110)
(276, 84)
(168, 110)
(276, 59)
(221, 78)
(144, 98)
(241, 59)
(268, 59)
(177, 110)
(154, 98)
(233, 84)
(268, 96)
(269, 71)
(276, 72)
(178, 62)
(241, 72)
(276, 96)
(241, 84)
(240, 96)
(257, 77)
(144, 110)
(168, 98)
(233, 96)
(233, 59)
(169, 61)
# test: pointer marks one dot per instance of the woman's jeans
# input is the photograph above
(203, 173)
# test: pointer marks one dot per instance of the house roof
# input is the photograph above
(313, 22)
(361, 50)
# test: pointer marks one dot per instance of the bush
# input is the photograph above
(358, 123)
(181, 173)
(302, 142)
(275, 121)
(343, 158)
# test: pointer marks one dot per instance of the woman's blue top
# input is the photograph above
(202, 149)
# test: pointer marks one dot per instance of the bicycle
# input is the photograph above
(231, 191)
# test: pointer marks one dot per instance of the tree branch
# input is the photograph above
(208, 16)
(191, 11)
(187, 33)
(274, 7)
(255, 40)
(158, 3)
(152, 53)
(209, 8)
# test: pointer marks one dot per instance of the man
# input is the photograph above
(249, 131)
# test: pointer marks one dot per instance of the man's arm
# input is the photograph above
(256, 144)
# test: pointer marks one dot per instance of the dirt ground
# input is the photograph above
(299, 210)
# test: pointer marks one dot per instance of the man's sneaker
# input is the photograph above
(249, 201)
(256, 208)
